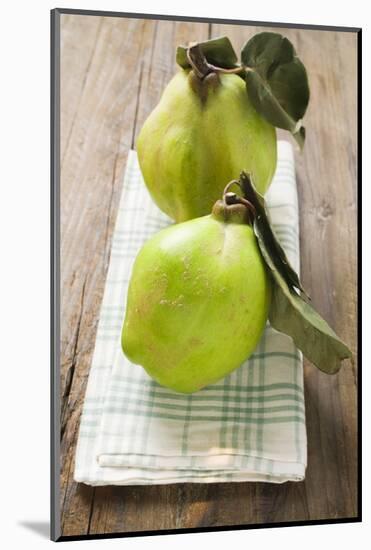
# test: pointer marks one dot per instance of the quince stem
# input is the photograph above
(202, 67)
(233, 198)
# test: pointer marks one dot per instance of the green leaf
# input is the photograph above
(289, 312)
(273, 252)
(218, 51)
(276, 82)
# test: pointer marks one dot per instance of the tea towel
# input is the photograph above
(250, 426)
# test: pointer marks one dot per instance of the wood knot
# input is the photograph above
(325, 211)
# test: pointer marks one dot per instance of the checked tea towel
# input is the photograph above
(250, 426)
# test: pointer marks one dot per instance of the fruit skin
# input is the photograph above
(201, 135)
(197, 304)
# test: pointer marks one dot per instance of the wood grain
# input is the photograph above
(113, 71)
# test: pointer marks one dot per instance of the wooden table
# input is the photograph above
(113, 71)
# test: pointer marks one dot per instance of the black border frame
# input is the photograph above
(55, 529)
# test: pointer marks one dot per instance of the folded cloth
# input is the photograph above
(250, 426)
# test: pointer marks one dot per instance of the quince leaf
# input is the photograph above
(289, 312)
(218, 51)
(276, 82)
(273, 252)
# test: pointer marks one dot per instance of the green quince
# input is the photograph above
(198, 300)
(203, 133)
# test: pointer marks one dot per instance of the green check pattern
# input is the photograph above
(250, 426)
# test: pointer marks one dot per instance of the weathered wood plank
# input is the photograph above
(75, 61)
(91, 181)
(107, 94)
